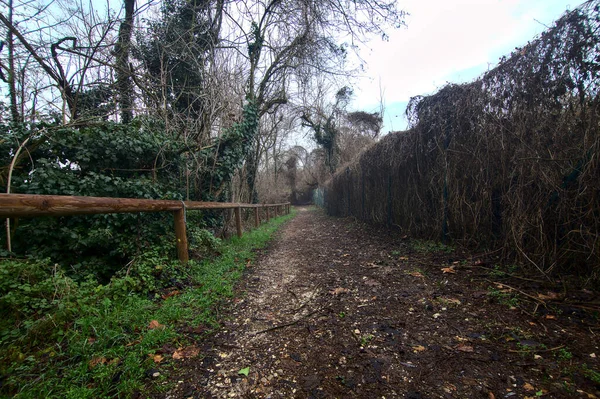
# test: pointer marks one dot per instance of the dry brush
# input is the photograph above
(508, 161)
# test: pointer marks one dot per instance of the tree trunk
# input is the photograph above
(124, 84)
(251, 171)
(12, 90)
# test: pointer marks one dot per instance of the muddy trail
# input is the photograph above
(339, 309)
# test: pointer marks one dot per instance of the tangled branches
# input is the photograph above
(511, 160)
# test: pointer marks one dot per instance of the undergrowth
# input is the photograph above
(68, 338)
(425, 247)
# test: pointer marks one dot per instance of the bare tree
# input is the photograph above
(67, 48)
(284, 44)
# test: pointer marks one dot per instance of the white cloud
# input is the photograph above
(449, 41)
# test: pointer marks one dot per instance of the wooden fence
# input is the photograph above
(27, 205)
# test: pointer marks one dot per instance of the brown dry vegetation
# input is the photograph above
(510, 161)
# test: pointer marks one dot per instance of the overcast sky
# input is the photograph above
(447, 41)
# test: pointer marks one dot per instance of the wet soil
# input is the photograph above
(339, 309)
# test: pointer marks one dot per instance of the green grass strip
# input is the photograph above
(98, 341)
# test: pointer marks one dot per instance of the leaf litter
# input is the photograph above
(386, 333)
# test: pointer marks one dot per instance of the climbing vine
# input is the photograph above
(231, 150)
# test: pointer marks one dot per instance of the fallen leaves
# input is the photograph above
(449, 388)
(134, 342)
(185, 353)
(548, 296)
(372, 283)
(587, 394)
(170, 294)
(449, 270)
(96, 361)
(451, 301)
(154, 324)
(156, 358)
(528, 387)
(339, 291)
(419, 348)
(416, 274)
(464, 348)
(245, 371)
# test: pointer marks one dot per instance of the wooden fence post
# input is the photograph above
(181, 235)
(238, 220)
(256, 217)
(268, 216)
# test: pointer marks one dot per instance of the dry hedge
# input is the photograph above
(509, 161)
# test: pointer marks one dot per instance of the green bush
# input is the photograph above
(61, 337)
(105, 160)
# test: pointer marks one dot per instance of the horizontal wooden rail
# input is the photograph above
(31, 205)
(23, 205)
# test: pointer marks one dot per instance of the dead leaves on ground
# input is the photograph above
(464, 348)
(185, 353)
(528, 387)
(156, 358)
(450, 301)
(154, 324)
(339, 291)
(170, 294)
(549, 296)
(96, 361)
(371, 283)
(587, 394)
(419, 348)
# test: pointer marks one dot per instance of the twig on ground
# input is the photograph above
(519, 291)
(312, 296)
(504, 273)
(291, 323)
(582, 305)
(536, 350)
(293, 293)
(408, 365)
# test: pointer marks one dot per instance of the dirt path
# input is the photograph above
(337, 309)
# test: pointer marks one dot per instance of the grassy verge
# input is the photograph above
(76, 339)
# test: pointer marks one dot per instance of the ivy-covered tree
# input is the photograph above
(176, 51)
(325, 126)
(122, 70)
